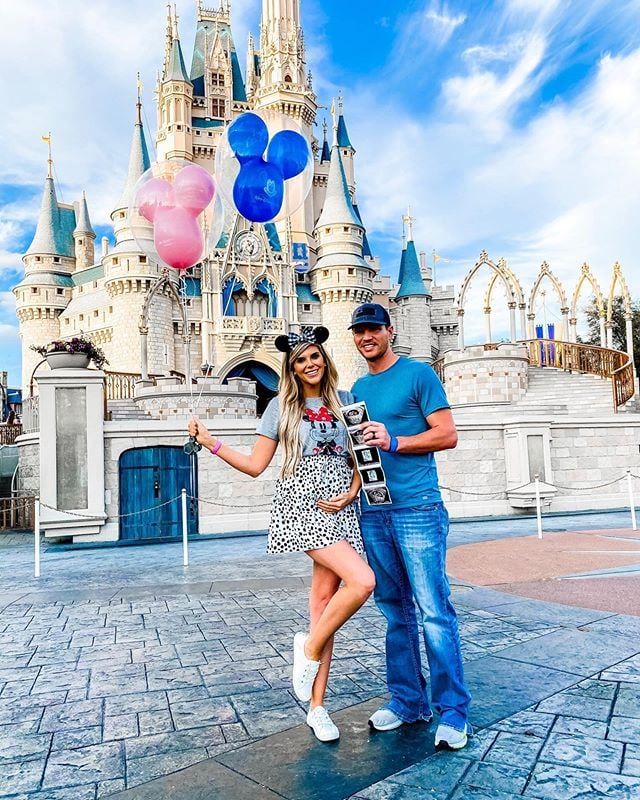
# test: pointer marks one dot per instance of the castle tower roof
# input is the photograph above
(138, 157)
(176, 70)
(411, 282)
(83, 223)
(326, 150)
(55, 224)
(338, 207)
(343, 134)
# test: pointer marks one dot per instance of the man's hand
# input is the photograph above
(376, 435)
(337, 503)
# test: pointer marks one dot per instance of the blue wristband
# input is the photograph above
(393, 446)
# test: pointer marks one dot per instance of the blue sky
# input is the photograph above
(511, 126)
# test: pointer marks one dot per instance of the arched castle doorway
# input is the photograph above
(265, 377)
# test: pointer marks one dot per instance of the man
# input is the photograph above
(410, 420)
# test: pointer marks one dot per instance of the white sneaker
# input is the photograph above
(322, 725)
(448, 738)
(384, 719)
(304, 669)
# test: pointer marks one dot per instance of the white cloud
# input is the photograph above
(442, 22)
(565, 187)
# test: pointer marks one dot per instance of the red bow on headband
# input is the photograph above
(322, 415)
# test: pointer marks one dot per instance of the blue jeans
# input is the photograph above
(406, 549)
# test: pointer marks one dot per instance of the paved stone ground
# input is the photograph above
(120, 666)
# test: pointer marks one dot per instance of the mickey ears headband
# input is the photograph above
(307, 335)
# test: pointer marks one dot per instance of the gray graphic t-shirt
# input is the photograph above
(321, 433)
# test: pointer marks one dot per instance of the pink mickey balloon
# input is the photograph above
(194, 189)
(177, 237)
(154, 195)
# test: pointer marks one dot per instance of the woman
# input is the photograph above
(313, 508)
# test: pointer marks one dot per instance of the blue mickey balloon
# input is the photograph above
(258, 191)
(290, 152)
(248, 136)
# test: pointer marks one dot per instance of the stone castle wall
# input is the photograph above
(336, 317)
(477, 376)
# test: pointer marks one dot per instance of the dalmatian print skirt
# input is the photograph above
(297, 524)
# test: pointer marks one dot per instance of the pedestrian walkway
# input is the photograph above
(123, 674)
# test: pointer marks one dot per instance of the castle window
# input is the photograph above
(111, 309)
(95, 313)
(217, 78)
(306, 306)
(81, 317)
(346, 230)
(79, 241)
(218, 108)
(34, 290)
(115, 261)
(325, 273)
(300, 277)
(59, 291)
(66, 322)
(287, 79)
(351, 271)
(95, 284)
(198, 133)
(56, 260)
(38, 258)
(143, 259)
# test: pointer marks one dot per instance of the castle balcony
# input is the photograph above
(250, 326)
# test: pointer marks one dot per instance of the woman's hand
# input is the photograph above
(202, 435)
(337, 503)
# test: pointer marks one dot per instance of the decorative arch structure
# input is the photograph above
(618, 280)
(163, 285)
(499, 273)
(545, 273)
(258, 366)
(519, 298)
(586, 276)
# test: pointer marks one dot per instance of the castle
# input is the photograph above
(313, 268)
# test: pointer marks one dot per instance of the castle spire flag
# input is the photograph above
(47, 139)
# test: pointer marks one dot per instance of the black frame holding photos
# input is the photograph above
(368, 460)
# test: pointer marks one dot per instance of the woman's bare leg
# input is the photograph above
(358, 583)
(324, 584)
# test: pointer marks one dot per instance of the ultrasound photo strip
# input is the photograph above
(368, 461)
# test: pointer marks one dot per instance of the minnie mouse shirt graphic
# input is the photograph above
(321, 432)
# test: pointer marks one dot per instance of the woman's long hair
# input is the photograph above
(292, 404)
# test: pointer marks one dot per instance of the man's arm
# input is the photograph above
(441, 436)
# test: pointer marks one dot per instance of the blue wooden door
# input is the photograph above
(150, 477)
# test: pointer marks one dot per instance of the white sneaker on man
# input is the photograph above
(448, 738)
(304, 669)
(384, 719)
(322, 725)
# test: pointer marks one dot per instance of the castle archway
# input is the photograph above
(545, 274)
(586, 276)
(265, 375)
(511, 292)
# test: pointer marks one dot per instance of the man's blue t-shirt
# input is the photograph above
(402, 397)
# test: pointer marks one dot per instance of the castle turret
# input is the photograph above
(45, 289)
(347, 150)
(411, 310)
(341, 277)
(129, 274)
(175, 104)
(84, 236)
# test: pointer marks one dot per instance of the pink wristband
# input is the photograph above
(216, 447)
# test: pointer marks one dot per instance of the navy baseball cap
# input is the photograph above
(370, 314)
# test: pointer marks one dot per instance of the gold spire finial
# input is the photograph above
(408, 220)
(340, 103)
(335, 120)
(47, 139)
(139, 88)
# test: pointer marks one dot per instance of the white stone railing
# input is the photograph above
(31, 414)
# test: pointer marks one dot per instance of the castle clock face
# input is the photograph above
(248, 245)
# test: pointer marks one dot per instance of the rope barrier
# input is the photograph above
(113, 516)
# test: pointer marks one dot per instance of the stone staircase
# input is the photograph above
(125, 409)
(554, 391)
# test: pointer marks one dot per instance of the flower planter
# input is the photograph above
(62, 360)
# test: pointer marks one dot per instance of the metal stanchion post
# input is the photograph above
(36, 538)
(538, 506)
(185, 541)
(632, 502)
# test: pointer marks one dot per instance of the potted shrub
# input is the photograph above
(73, 353)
